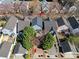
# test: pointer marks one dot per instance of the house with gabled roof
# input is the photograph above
(48, 25)
(19, 51)
(6, 50)
(61, 26)
(37, 23)
(15, 25)
(10, 27)
(74, 25)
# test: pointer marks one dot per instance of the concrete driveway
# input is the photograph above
(52, 51)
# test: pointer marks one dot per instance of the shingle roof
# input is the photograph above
(37, 21)
(48, 25)
(60, 21)
(21, 23)
(5, 48)
(73, 22)
(11, 23)
(65, 46)
(19, 49)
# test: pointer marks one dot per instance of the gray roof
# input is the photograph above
(37, 21)
(21, 23)
(48, 24)
(19, 49)
(11, 23)
(4, 49)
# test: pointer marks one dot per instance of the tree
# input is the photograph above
(48, 41)
(29, 32)
(74, 39)
(27, 37)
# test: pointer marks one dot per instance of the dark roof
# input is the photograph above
(60, 21)
(37, 21)
(65, 46)
(19, 49)
(73, 22)
(5, 48)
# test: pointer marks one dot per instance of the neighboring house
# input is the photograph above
(14, 25)
(5, 50)
(61, 26)
(23, 23)
(48, 25)
(65, 46)
(74, 25)
(19, 51)
(10, 27)
(37, 23)
(66, 49)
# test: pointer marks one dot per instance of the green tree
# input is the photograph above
(48, 41)
(28, 35)
(74, 39)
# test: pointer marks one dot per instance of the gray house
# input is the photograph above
(13, 25)
(37, 23)
(10, 27)
(48, 24)
(5, 50)
(23, 23)
(19, 51)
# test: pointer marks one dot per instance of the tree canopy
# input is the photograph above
(74, 38)
(48, 41)
(27, 37)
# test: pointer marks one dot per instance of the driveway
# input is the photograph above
(52, 51)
